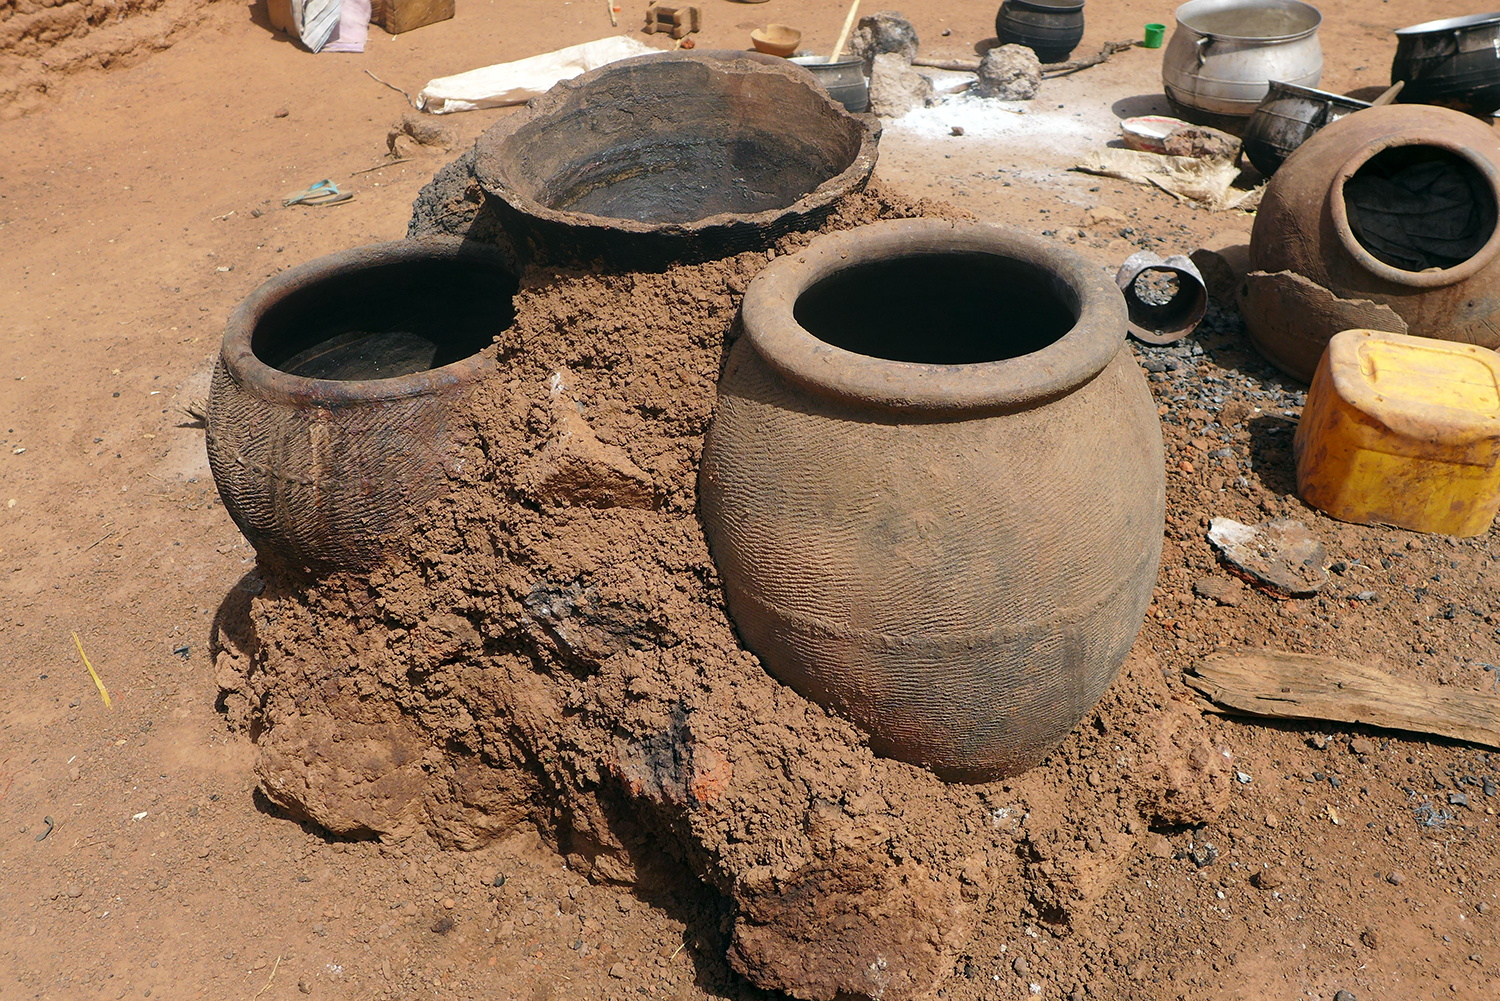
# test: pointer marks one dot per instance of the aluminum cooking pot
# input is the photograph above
(1224, 53)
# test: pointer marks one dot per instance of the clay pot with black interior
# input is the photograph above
(673, 157)
(335, 405)
(1322, 250)
(934, 488)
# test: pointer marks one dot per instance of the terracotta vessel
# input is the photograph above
(1323, 263)
(934, 488)
(673, 157)
(330, 412)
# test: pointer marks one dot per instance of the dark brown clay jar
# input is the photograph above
(331, 415)
(934, 488)
(1338, 278)
(673, 157)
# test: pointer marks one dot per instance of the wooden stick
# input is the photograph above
(1060, 69)
(1306, 686)
(1389, 95)
(844, 35)
(1063, 69)
(957, 65)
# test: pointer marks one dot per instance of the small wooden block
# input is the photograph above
(397, 16)
(677, 21)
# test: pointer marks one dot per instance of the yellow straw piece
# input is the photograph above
(103, 692)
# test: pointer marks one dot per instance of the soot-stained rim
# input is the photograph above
(1028, 380)
(491, 172)
(246, 368)
(1431, 136)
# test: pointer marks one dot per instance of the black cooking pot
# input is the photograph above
(1287, 118)
(1454, 63)
(1050, 28)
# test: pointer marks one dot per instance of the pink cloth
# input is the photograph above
(353, 29)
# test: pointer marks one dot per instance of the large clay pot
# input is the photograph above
(331, 415)
(671, 157)
(934, 488)
(1224, 54)
(1320, 268)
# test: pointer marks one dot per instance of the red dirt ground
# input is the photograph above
(138, 204)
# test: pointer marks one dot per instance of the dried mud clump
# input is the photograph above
(552, 647)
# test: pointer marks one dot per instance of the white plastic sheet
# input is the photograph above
(520, 81)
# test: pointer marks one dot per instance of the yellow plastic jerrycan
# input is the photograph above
(1402, 431)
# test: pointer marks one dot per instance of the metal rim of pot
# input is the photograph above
(1182, 13)
(494, 179)
(1097, 334)
(1312, 94)
(246, 368)
(1450, 24)
(1429, 136)
(1048, 6)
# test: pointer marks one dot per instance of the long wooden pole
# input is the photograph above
(844, 35)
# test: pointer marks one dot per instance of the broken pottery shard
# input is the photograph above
(1291, 319)
(1282, 554)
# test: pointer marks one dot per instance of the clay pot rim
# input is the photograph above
(1429, 135)
(249, 371)
(1011, 384)
(493, 178)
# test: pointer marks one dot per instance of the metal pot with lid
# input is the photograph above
(1224, 54)
(1454, 62)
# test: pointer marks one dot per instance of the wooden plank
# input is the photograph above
(398, 16)
(1306, 686)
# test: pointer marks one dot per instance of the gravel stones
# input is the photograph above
(1224, 590)
(1010, 73)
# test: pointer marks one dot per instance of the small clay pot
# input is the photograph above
(1320, 266)
(934, 488)
(331, 411)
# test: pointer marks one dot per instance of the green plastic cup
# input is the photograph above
(1154, 34)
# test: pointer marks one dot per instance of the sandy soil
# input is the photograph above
(138, 205)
